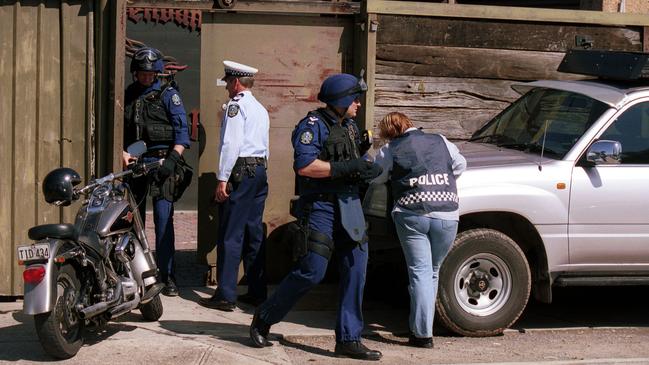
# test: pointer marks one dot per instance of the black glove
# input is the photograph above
(371, 173)
(356, 169)
(348, 168)
(168, 167)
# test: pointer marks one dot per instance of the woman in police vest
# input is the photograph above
(422, 169)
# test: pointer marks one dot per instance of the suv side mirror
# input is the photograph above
(136, 149)
(604, 152)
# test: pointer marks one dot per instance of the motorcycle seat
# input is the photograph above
(61, 231)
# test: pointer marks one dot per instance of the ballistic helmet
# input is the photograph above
(58, 186)
(147, 59)
(341, 90)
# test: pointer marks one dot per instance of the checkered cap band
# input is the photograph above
(429, 196)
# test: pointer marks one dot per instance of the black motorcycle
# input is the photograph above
(81, 275)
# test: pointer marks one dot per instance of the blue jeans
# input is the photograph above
(425, 243)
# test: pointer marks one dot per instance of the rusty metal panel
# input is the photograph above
(293, 54)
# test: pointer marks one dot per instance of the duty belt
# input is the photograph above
(251, 161)
(321, 197)
(160, 153)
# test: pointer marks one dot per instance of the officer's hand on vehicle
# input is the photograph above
(168, 165)
(127, 159)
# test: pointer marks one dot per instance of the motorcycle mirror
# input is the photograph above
(136, 149)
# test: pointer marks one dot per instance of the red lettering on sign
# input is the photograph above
(190, 19)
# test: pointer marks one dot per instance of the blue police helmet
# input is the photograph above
(341, 90)
(147, 59)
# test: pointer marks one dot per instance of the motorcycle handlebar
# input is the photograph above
(137, 169)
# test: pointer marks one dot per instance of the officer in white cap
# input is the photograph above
(241, 191)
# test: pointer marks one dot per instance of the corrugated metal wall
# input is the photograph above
(47, 112)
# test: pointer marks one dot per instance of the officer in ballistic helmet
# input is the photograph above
(329, 163)
(155, 114)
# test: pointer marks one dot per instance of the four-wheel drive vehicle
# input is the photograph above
(556, 193)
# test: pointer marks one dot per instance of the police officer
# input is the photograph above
(155, 114)
(241, 189)
(329, 163)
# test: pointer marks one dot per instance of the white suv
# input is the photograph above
(556, 193)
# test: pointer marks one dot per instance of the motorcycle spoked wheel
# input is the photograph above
(61, 330)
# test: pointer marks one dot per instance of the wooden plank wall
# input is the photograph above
(47, 81)
(452, 75)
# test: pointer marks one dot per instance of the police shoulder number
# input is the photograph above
(233, 110)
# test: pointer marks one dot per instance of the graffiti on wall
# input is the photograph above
(186, 18)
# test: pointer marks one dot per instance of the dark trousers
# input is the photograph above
(163, 220)
(241, 236)
(311, 269)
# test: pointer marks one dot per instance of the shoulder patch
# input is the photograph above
(233, 110)
(306, 137)
(175, 99)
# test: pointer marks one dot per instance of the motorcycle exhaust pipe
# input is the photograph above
(95, 309)
(123, 308)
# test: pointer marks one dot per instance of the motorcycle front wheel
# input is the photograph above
(61, 330)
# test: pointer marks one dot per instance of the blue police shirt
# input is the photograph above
(310, 135)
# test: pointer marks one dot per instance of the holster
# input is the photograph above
(305, 239)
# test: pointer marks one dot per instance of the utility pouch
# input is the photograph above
(159, 132)
(299, 240)
(236, 176)
(182, 178)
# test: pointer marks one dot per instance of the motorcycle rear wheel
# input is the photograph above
(152, 311)
(61, 330)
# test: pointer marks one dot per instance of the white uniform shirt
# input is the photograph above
(244, 132)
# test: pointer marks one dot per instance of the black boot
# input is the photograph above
(259, 332)
(170, 289)
(425, 342)
(356, 350)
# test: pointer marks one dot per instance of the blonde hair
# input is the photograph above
(393, 125)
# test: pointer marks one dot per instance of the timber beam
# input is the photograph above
(251, 6)
(504, 13)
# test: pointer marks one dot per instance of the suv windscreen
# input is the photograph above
(543, 119)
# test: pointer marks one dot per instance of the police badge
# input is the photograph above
(175, 99)
(306, 137)
(233, 110)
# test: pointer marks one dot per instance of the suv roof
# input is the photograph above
(613, 93)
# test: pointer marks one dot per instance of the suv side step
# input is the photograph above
(601, 280)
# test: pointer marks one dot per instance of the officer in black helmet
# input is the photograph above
(329, 163)
(155, 114)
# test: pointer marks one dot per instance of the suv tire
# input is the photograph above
(484, 284)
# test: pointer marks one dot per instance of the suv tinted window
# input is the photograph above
(558, 117)
(631, 129)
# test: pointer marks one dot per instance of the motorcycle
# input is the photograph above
(79, 276)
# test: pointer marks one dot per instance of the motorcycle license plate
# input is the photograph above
(36, 251)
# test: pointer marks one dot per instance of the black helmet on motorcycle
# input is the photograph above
(147, 59)
(58, 186)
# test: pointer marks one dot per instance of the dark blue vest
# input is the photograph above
(341, 145)
(422, 173)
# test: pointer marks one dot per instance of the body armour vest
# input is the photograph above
(422, 174)
(340, 145)
(146, 119)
